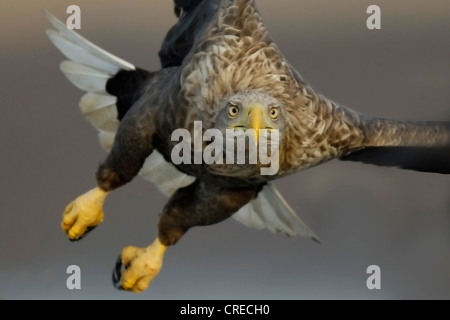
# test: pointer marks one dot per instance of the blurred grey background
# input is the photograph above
(365, 215)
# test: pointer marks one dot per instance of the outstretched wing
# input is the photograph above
(424, 159)
(112, 86)
(419, 146)
(89, 68)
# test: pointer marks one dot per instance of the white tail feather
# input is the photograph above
(271, 210)
(249, 217)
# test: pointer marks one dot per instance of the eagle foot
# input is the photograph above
(83, 214)
(136, 267)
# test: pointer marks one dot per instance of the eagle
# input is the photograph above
(221, 73)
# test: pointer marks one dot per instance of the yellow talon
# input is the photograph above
(143, 265)
(84, 212)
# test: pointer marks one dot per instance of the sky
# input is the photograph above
(365, 215)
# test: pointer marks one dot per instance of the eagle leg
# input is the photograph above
(132, 145)
(83, 214)
(198, 204)
(141, 266)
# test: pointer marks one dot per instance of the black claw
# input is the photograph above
(117, 273)
(83, 235)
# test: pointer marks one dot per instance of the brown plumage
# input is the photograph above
(238, 55)
(220, 58)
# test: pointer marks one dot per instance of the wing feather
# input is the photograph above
(85, 78)
(64, 36)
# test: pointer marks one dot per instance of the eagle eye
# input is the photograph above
(274, 113)
(233, 111)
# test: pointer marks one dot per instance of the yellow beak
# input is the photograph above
(256, 118)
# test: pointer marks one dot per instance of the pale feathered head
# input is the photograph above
(250, 110)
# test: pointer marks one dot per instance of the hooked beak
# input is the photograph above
(256, 118)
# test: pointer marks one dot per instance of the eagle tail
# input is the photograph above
(270, 210)
(112, 85)
(419, 146)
